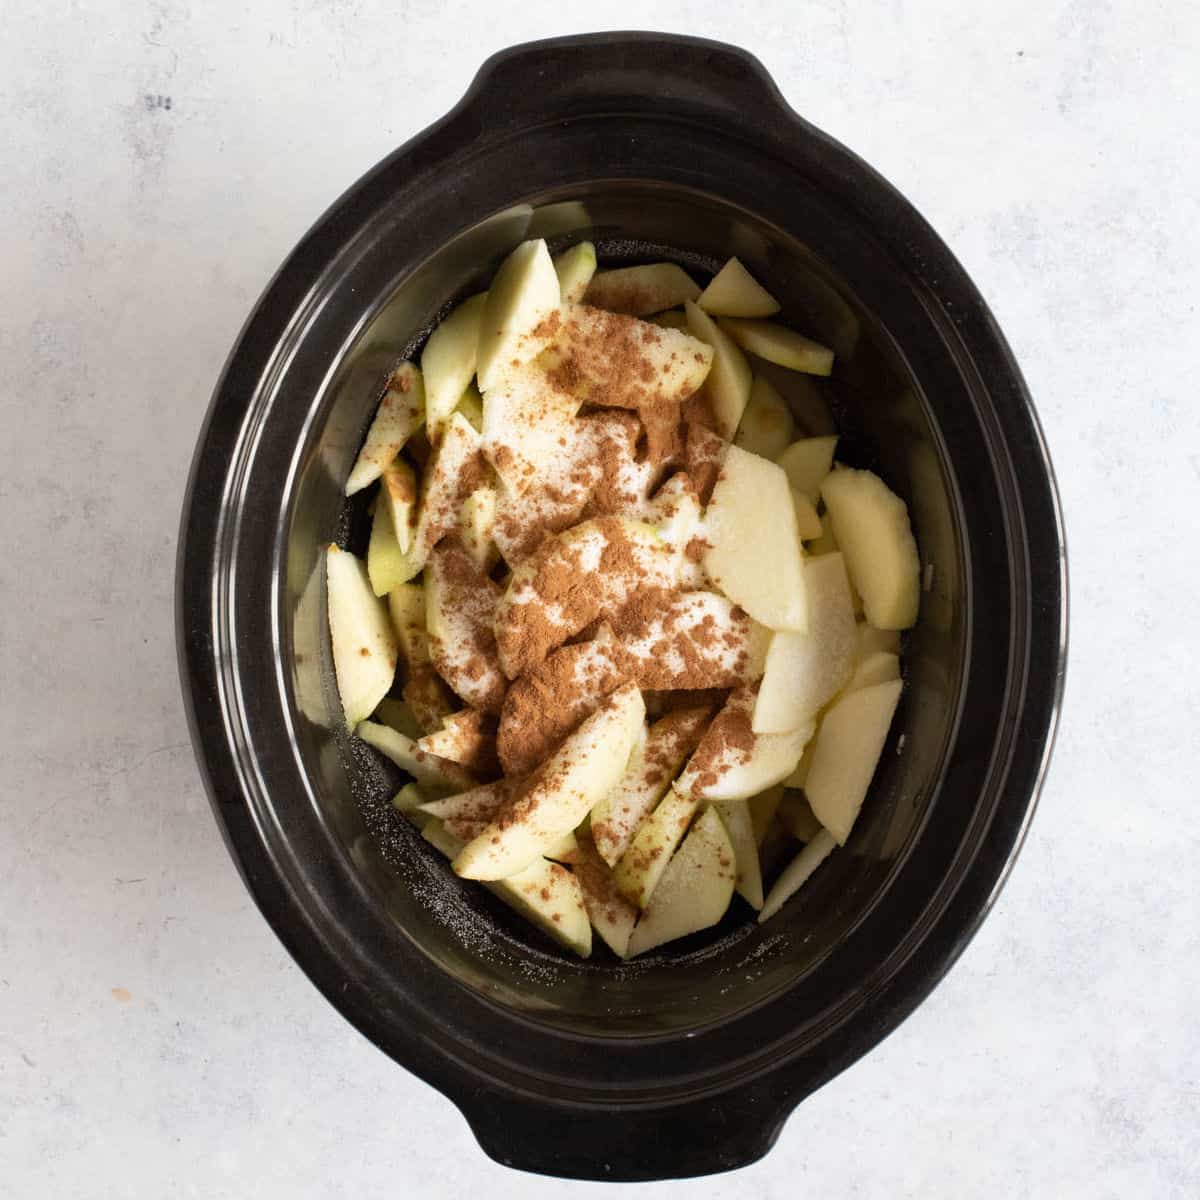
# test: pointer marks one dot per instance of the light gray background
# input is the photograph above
(156, 163)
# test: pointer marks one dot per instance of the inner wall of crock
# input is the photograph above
(877, 411)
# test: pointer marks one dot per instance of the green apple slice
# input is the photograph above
(399, 415)
(537, 613)
(734, 763)
(575, 268)
(797, 873)
(880, 667)
(399, 716)
(763, 808)
(654, 762)
(766, 426)
(739, 824)
(807, 462)
(695, 890)
(640, 291)
(448, 361)
(780, 345)
(808, 523)
(364, 644)
(734, 292)
(805, 670)
(611, 914)
(728, 386)
(467, 814)
(581, 772)
(406, 604)
(408, 800)
(872, 528)
(642, 866)
(846, 753)
(460, 607)
(477, 526)
(520, 318)
(754, 552)
(389, 566)
(398, 490)
(546, 894)
(434, 775)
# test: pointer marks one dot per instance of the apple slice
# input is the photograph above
(434, 775)
(389, 566)
(703, 456)
(734, 292)
(807, 462)
(734, 763)
(805, 670)
(466, 814)
(871, 641)
(452, 474)
(364, 644)
(399, 415)
(800, 774)
(763, 808)
(561, 793)
(615, 361)
(766, 426)
(654, 762)
(727, 389)
(428, 698)
(640, 291)
(522, 313)
(846, 753)
(470, 407)
(575, 268)
(448, 361)
(754, 550)
(872, 528)
(808, 524)
(695, 890)
(398, 490)
(399, 716)
(406, 604)
(796, 874)
(466, 738)
(573, 579)
(547, 895)
(780, 345)
(641, 867)
(611, 915)
(739, 824)
(477, 526)
(798, 817)
(676, 318)
(408, 800)
(826, 543)
(675, 511)
(460, 605)
(880, 667)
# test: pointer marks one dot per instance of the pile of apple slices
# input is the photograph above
(629, 634)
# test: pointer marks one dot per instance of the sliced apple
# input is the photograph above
(734, 292)
(451, 475)
(467, 738)
(846, 753)
(433, 775)
(805, 670)
(727, 389)
(583, 770)
(477, 526)
(466, 814)
(388, 566)
(364, 644)
(408, 800)
(872, 528)
(880, 667)
(642, 290)
(675, 511)
(695, 889)
(800, 774)
(400, 414)
(448, 361)
(573, 579)
(643, 864)
(398, 490)
(778, 344)
(399, 716)
(763, 808)
(676, 318)
(766, 426)
(428, 698)
(807, 462)
(655, 760)
(546, 894)
(872, 641)
(734, 763)
(826, 543)
(797, 873)
(460, 607)
(470, 407)
(406, 604)
(808, 523)
(754, 552)
(739, 824)
(521, 316)
(611, 914)
(575, 268)
(703, 456)
(798, 817)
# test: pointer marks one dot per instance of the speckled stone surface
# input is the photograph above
(157, 160)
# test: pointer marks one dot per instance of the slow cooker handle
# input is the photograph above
(608, 72)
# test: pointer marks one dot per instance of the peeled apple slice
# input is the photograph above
(695, 890)
(448, 361)
(766, 426)
(399, 415)
(364, 643)
(846, 753)
(880, 667)
(519, 319)
(808, 524)
(754, 552)
(807, 462)
(727, 388)
(612, 916)
(797, 873)
(642, 865)
(640, 291)
(872, 529)
(778, 344)
(435, 776)
(740, 826)
(734, 292)
(398, 490)
(575, 268)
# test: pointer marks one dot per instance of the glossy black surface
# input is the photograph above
(690, 1061)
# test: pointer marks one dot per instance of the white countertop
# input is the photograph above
(156, 162)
